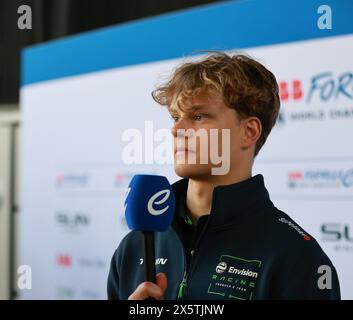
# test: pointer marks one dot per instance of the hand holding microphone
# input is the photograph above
(151, 291)
(149, 208)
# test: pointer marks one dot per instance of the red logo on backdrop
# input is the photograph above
(120, 178)
(295, 175)
(60, 179)
(290, 90)
(325, 86)
(64, 260)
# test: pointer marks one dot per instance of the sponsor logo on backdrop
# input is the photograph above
(64, 260)
(339, 235)
(72, 222)
(94, 263)
(122, 179)
(98, 180)
(321, 179)
(72, 180)
(323, 87)
(64, 292)
(281, 119)
(290, 90)
(324, 96)
(67, 293)
(90, 294)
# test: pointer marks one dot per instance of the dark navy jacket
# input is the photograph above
(248, 249)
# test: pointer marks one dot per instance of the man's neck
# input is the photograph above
(199, 193)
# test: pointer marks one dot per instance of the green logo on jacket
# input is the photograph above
(234, 278)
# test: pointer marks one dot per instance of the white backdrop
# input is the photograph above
(74, 179)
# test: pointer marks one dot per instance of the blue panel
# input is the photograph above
(229, 25)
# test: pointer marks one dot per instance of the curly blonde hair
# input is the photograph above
(244, 84)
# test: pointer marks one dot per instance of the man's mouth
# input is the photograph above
(179, 151)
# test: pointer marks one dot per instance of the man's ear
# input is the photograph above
(251, 132)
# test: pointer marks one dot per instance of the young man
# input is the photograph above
(227, 240)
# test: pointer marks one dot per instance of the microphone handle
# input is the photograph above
(149, 257)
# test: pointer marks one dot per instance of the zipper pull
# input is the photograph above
(182, 286)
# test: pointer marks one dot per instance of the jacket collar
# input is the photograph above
(230, 203)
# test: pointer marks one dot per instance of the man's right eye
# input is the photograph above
(174, 118)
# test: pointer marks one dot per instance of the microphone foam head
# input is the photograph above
(149, 203)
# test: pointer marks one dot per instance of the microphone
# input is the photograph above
(149, 208)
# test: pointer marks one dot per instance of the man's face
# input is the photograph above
(199, 142)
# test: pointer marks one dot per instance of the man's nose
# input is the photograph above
(179, 128)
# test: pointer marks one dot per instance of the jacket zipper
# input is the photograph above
(184, 283)
(182, 286)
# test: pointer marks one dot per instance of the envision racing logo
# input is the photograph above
(234, 277)
(152, 201)
(222, 266)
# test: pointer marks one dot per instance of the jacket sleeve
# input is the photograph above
(307, 274)
(113, 278)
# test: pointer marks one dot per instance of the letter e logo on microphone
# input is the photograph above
(153, 201)
(126, 195)
(149, 204)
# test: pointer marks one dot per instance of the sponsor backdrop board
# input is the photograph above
(90, 124)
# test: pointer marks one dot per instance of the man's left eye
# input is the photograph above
(198, 117)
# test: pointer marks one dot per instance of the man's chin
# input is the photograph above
(192, 171)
